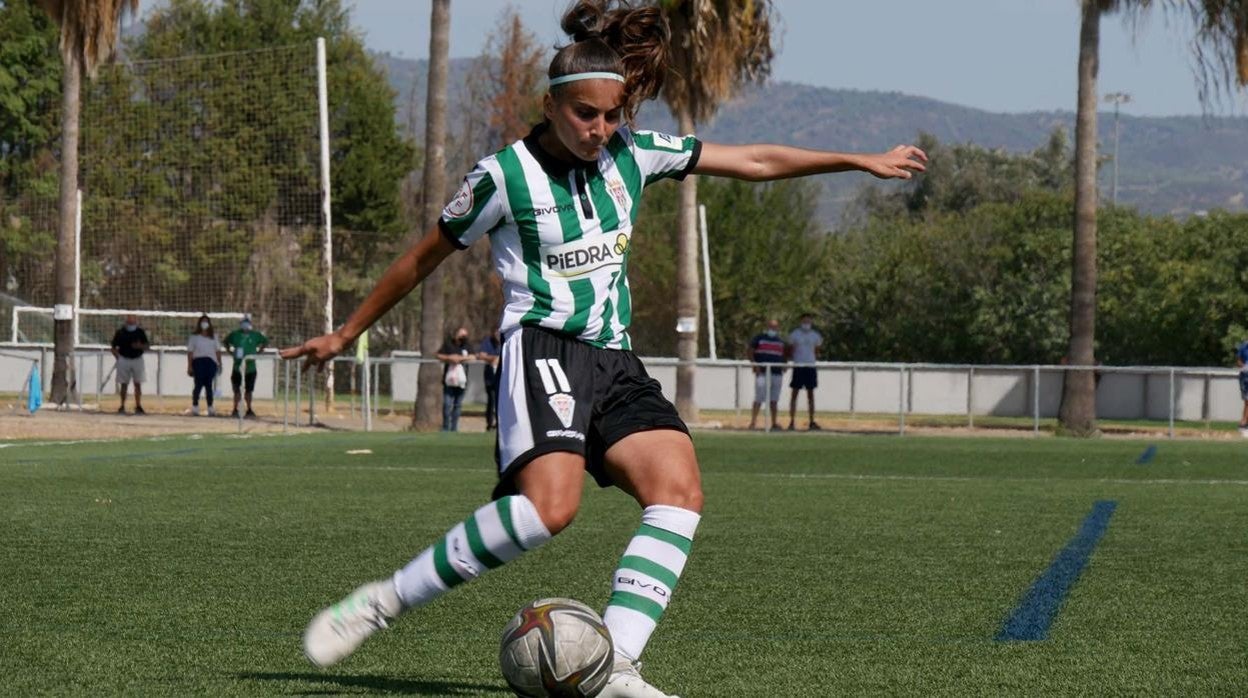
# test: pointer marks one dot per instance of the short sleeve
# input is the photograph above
(660, 156)
(475, 210)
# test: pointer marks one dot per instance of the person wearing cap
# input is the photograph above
(242, 343)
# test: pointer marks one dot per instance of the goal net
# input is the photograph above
(201, 192)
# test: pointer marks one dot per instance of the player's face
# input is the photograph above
(584, 116)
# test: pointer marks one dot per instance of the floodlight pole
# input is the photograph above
(706, 274)
(77, 270)
(322, 89)
(1117, 99)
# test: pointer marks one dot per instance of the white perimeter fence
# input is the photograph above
(1159, 393)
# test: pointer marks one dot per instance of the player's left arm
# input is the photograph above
(765, 162)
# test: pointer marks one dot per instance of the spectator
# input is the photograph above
(1241, 360)
(767, 348)
(128, 346)
(454, 354)
(803, 345)
(242, 343)
(203, 362)
(490, 352)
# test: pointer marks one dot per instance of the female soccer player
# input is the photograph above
(559, 206)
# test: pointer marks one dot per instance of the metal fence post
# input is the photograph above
(312, 395)
(1205, 407)
(285, 395)
(970, 398)
(1172, 403)
(1035, 399)
(160, 366)
(736, 388)
(853, 389)
(367, 394)
(768, 413)
(901, 400)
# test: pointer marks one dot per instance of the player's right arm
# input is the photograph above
(404, 274)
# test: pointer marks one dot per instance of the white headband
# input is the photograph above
(585, 76)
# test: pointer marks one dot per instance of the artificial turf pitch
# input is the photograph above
(824, 566)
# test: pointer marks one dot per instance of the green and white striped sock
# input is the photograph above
(648, 572)
(494, 535)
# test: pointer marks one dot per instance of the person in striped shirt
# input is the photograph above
(559, 206)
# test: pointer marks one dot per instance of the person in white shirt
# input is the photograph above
(203, 362)
(803, 344)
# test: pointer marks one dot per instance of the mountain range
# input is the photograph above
(1178, 165)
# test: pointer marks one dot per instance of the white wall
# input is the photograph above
(1008, 391)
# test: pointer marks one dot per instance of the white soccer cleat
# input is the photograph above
(212, 411)
(194, 410)
(337, 631)
(626, 682)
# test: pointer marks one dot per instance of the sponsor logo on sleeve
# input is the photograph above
(666, 142)
(461, 203)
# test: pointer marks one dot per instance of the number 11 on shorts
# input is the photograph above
(551, 371)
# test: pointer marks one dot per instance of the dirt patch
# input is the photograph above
(73, 424)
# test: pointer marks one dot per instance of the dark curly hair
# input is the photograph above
(612, 36)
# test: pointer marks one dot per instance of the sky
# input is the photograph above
(998, 55)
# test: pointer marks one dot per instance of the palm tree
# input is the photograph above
(89, 32)
(427, 414)
(717, 47)
(1221, 48)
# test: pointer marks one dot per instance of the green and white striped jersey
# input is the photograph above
(560, 234)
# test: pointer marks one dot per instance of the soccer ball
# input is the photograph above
(556, 647)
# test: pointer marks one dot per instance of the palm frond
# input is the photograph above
(717, 46)
(89, 28)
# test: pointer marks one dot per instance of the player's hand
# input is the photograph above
(315, 352)
(899, 163)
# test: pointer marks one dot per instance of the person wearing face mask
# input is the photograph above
(453, 354)
(804, 343)
(244, 342)
(767, 348)
(203, 362)
(490, 352)
(128, 346)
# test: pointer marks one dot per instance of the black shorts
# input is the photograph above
(556, 393)
(236, 379)
(804, 377)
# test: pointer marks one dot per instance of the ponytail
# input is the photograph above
(629, 41)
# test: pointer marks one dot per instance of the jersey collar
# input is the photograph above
(550, 164)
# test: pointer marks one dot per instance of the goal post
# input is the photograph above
(206, 189)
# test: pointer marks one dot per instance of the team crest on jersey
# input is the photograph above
(618, 192)
(563, 405)
(461, 204)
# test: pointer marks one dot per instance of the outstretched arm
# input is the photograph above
(403, 275)
(760, 163)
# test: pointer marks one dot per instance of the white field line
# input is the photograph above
(954, 478)
(766, 475)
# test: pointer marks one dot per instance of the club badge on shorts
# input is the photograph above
(563, 405)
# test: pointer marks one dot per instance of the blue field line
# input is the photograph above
(1034, 614)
